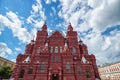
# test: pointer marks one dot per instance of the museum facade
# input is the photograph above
(56, 57)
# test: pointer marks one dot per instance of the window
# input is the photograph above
(42, 68)
(88, 75)
(21, 74)
(51, 49)
(55, 59)
(56, 49)
(1, 63)
(60, 49)
(74, 50)
(38, 50)
(30, 70)
(67, 67)
(79, 71)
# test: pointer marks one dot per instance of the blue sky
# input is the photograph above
(96, 21)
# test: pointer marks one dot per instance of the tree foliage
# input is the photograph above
(5, 72)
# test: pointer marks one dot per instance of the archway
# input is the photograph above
(55, 77)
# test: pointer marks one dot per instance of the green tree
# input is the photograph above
(5, 72)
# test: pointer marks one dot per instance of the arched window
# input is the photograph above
(38, 50)
(79, 71)
(30, 70)
(51, 49)
(42, 67)
(21, 74)
(67, 67)
(88, 75)
(56, 49)
(74, 50)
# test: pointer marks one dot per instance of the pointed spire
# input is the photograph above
(44, 27)
(70, 28)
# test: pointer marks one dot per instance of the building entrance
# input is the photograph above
(55, 77)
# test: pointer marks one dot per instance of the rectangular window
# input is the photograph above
(51, 49)
(79, 70)
(74, 50)
(56, 49)
(42, 67)
(38, 50)
(60, 49)
(55, 59)
(67, 66)
(30, 70)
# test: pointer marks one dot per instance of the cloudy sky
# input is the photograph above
(96, 21)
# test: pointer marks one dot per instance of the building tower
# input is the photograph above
(56, 57)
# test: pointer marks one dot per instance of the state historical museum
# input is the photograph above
(56, 57)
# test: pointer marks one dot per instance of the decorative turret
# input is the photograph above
(71, 37)
(83, 48)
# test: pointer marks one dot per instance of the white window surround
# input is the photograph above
(38, 49)
(56, 49)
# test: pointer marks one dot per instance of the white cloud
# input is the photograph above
(96, 15)
(4, 49)
(54, 0)
(104, 47)
(95, 3)
(18, 49)
(73, 11)
(12, 21)
(53, 9)
(102, 16)
(37, 16)
(105, 15)
(49, 1)
(1, 27)
(14, 60)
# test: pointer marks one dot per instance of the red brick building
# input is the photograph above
(56, 57)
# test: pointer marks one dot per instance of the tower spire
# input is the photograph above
(70, 28)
